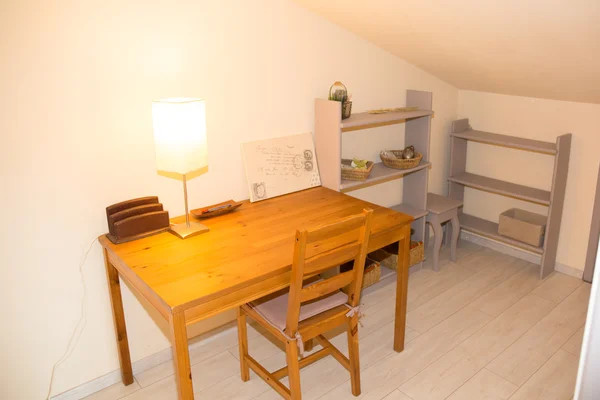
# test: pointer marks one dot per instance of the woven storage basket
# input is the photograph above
(372, 273)
(346, 109)
(401, 163)
(417, 253)
(388, 256)
(356, 174)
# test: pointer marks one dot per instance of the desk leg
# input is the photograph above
(402, 289)
(114, 287)
(181, 357)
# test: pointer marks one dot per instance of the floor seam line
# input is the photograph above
(437, 297)
(466, 305)
(524, 333)
(442, 355)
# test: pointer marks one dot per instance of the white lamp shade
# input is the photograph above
(180, 135)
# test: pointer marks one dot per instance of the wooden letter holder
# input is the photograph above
(135, 219)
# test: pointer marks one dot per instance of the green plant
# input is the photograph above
(339, 95)
(359, 163)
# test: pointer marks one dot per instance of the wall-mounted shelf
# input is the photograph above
(329, 127)
(379, 174)
(507, 141)
(489, 229)
(502, 187)
(366, 120)
(554, 199)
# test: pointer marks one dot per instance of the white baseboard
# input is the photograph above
(139, 366)
(518, 253)
(568, 270)
(113, 377)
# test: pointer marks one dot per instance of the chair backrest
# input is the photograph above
(319, 249)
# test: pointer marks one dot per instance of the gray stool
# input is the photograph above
(441, 210)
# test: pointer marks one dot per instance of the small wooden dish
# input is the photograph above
(215, 210)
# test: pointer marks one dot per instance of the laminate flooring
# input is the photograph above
(484, 327)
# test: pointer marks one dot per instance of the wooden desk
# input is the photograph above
(247, 254)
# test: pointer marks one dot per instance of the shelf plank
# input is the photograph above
(508, 141)
(502, 187)
(379, 174)
(365, 120)
(415, 212)
(489, 229)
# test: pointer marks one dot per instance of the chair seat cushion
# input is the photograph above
(275, 310)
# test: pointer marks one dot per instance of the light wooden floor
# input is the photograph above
(484, 327)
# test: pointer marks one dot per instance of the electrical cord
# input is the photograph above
(76, 335)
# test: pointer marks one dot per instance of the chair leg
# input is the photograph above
(243, 344)
(353, 354)
(291, 352)
(455, 235)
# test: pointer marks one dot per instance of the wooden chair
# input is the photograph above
(309, 310)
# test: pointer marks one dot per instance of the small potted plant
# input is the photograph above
(338, 92)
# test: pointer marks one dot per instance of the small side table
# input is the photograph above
(441, 210)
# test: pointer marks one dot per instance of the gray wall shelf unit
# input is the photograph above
(553, 199)
(329, 132)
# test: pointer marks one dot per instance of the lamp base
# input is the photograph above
(183, 231)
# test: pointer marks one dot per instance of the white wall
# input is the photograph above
(543, 120)
(587, 386)
(77, 83)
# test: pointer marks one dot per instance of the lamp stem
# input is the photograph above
(187, 213)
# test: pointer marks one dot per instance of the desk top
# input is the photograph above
(249, 245)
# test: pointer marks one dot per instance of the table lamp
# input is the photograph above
(181, 151)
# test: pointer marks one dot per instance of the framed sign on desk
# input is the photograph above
(280, 166)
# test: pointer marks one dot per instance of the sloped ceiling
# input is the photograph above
(537, 48)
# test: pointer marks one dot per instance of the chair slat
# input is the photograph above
(268, 377)
(324, 261)
(338, 355)
(310, 359)
(332, 243)
(324, 322)
(326, 287)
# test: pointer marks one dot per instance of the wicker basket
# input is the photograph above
(371, 274)
(356, 174)
(346, 109)
(388, 256)
(401, 163)
(417, 253)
